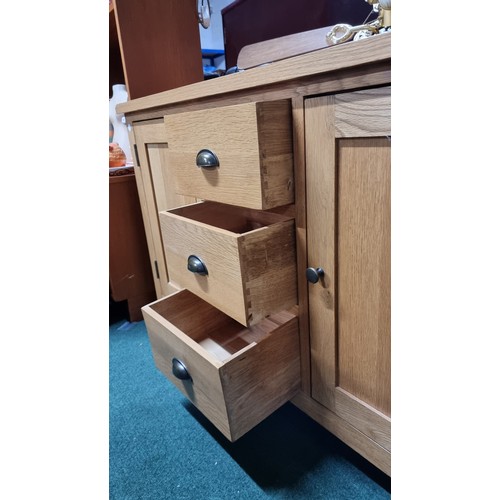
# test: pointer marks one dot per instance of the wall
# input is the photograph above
(213, 36)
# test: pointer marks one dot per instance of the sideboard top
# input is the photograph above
(355, 53)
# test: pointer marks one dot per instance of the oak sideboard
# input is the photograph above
(266, 200)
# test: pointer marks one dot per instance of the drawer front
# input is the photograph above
(237, 376)
(253, 147)
(168, 342)
(248, 258)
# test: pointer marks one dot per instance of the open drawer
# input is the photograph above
(241, 261)
(239, 155)
(236, 376)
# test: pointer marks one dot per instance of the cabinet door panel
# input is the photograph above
(363, 270)
(156, 193)
(348, 235)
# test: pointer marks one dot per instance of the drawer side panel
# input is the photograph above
(276, 153)
(269, 265)
(262, 379)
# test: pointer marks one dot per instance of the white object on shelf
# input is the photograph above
(120, 130)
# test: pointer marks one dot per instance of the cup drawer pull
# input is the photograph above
(196, 265)
(179, 370)
(207, 159)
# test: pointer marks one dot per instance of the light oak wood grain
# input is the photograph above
(148, 205)
(321, 223)
(364, 270)
(335, 201)
(253, 143)
(325, 83)
(156, 192)
(364, 417)
(301, 240)
(259, 372)
(260, 380)
(366, 113)
(348, 235)
(250, 257)
(367, 51)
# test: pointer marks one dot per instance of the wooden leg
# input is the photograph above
(135, 303)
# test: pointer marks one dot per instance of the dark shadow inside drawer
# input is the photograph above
(235, 219)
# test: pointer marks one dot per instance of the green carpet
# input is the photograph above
(162, 447)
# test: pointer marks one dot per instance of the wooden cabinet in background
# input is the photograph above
(154, 45)
(129, 272)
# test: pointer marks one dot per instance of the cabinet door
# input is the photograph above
(348, 236)
(156, 193)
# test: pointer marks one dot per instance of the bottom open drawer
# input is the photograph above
(235, 375)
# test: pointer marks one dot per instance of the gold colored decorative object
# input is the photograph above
(342, 32)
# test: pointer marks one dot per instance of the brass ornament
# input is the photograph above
(341, 33)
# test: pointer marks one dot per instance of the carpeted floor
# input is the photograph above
(162, 447)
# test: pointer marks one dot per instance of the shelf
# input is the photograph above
(211, 54)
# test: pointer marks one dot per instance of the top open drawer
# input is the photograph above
(240, 155)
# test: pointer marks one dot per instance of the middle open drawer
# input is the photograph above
(241, 261)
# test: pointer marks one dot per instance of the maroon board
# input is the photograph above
(250, 21)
